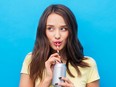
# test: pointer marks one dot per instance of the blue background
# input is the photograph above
(97, 33)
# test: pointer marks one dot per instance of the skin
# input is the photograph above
(56, 31)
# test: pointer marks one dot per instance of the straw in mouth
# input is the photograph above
(57, 50)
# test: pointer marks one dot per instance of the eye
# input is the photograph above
(50, 28)
(63, 29)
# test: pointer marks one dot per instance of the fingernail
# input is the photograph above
(60, 77)
(56, 83)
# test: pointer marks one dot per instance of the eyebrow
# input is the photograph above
(53, 25)
(50, 25)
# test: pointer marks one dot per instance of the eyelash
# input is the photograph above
(63, 28)
(50, 28)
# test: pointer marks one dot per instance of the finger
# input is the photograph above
(65, 84)
(62, 84)
(56, 60)
(53, 60)
(55, 55)
(65, 79)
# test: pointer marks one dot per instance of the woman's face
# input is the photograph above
(56, 31)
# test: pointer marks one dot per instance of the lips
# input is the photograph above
(57, 43)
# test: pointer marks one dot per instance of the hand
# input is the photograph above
(49, 64)
(66, 83)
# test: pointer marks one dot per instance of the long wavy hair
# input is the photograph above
(73, 51)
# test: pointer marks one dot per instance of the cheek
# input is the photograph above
(50, 38)
(48, 35)
(66, 35)
(65, 38)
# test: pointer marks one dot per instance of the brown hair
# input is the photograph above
(73, 51)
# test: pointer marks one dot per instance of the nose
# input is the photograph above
(57, 34)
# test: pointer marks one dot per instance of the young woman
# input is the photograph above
(57, 31)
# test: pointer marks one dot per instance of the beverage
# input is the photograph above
(59, 71)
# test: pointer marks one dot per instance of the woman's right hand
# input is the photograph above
(49, 64)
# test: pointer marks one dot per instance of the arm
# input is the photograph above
(93, 84)
(93, 76)
(25, 81)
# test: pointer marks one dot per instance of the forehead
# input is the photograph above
(55, 19)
